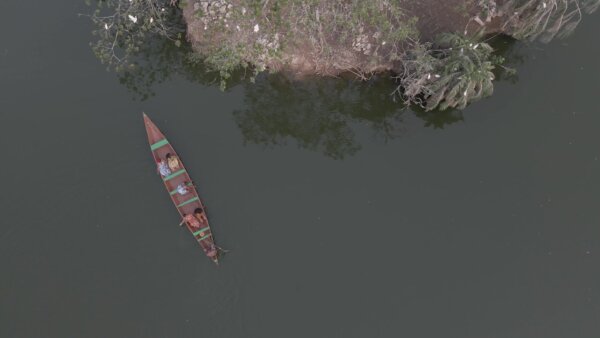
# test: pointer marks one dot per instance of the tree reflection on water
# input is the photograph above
(158, 62)
(319, 114)
(323, 114)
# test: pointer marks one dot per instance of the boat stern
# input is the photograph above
(214, 256)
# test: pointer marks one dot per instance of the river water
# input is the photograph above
(346, 216)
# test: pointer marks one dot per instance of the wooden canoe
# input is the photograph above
(185, 204)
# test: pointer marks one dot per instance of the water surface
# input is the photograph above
(346, 216)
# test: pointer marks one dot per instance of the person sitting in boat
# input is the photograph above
(163, 168)
(183, 188)
(191, 221)
(173, 162)
(200, 215)
(212, 252)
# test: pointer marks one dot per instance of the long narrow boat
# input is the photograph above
(188, 203)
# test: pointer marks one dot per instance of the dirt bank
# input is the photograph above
(324, 37)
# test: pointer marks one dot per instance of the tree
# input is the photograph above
(124, 26)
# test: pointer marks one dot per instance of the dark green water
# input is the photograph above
(346, 216)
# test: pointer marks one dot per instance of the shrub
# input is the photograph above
(448, 74)
(545, 19)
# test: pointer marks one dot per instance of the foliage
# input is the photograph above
(378, 28)
(122, 27)
(545, 19)
(225, 60)
(234, 38)
(450, 74)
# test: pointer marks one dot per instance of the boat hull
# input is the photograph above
(186, 204)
